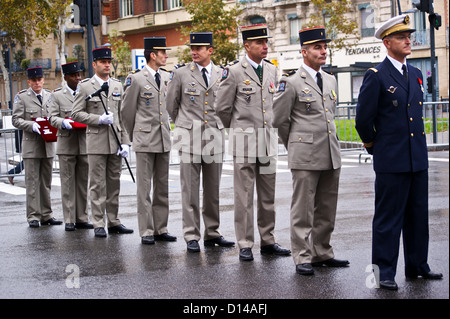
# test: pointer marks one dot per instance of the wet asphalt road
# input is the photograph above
(50, 263)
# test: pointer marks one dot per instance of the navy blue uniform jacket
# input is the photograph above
(389, 114)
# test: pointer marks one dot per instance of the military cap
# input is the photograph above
(312, 35)
(253, 32)
(155, 43)
(101, 53)
(35, 73)
(394, 25)
(201, 38)
(72, 67)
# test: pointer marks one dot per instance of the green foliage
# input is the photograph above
(212, 16)
(25, 63)
(121, 53)
(71, 59)
(19, 55)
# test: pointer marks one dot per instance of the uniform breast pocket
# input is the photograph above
(306, 102)
(30, 115)
(301, 147)
(247, 93)
(93, 105)
(191, 93)
(65, 112)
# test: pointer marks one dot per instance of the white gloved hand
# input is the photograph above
(106, 119)
(66, 124)
(124, 151)
(36, 128)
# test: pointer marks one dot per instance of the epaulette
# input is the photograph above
(163, 69)
(292, 72)
(374, 70)
(48, 91)
(85, 80)
(179, 65)
(23, 91)
(233, 63)
(58, 89)
(268, 61)
(135, 71)
(117, 80)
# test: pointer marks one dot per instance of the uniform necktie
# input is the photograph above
(259, 72)
(204, 76)
(405, 72)
(39, 98)
(319, 81)
(157, 79)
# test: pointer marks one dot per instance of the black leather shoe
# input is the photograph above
(99, 232)
(193, 246)
(70, 227)
(245, 254)
(165, 237)
(333, 262)
(33, 224)
(148, 240)
(388, 284)
(430, 275)
(119, 229)
(84, 226)
(52, 221)
(304, 269)
(275, 249)
(222, 242)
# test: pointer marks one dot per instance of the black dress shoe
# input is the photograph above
(193, 246)
(165, 237)
(70, 227)
(245, 254)
(99, 232)
(148, 240)
(84, 226)
(430, 275)
(333, 262)
(52, 221)
(222, 242)
(304, 269)
(275, 249)
(33, 224)
(388, 284)
(119, 229)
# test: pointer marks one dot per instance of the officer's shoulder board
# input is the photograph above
(85, 80)
(374, 70)
(23, 91)
(232, 63)
(179, 65)
(135, 71)
(114, 79)
(57, 89)
(288, 74)
(268, 61)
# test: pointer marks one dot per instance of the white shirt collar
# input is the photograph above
(70, 90)
(36, 94)
(208, 70)
(253, 63)
(152, 72)
(311, 71)
(100, 81)
(397, 64)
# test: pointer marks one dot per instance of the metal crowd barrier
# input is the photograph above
(436, 121)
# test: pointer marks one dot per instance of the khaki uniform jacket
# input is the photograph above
(26, 108)
(143, 112)
(100, 138)
(304, 117)
(191, 106)
(245, 105)
(70, 142)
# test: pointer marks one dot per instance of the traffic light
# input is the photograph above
(96, 12)
(423, 5)
(429, 85)
(81, 12)
(435, 20)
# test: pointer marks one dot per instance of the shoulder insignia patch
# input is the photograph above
(225, 73)
(374, 70)
(128, 81)
(281, 86)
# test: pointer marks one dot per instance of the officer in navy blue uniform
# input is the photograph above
(389, 120)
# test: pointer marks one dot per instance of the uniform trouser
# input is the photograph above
(104, 188)
(401, 205)
(313, 213)
(211, 169)
(152, 215)
(246, 174)
(74, 174)
(38, 181)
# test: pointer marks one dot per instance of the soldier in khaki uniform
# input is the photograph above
(244, 104)
(304, 108)
(71, 151)
(146, 120)
(37, 154)
(104, 153)
(199, 137)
